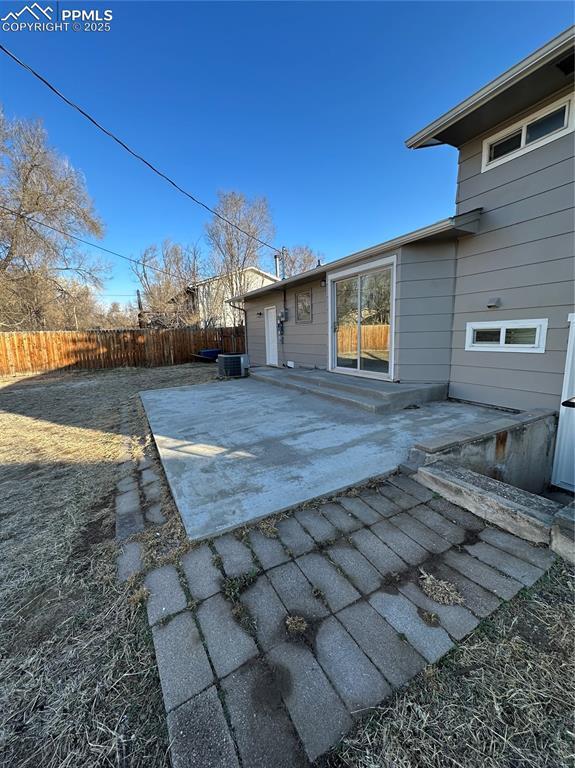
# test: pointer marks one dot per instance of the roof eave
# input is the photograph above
(427, 136)
(446, 229)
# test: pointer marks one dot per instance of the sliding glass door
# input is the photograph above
(362, 322)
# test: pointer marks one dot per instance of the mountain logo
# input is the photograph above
(34, 10)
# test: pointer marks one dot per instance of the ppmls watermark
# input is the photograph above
(40, 18)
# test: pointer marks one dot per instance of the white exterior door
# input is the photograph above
(271, 331)
(564, 464)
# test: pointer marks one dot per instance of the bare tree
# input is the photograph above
(300, 258)
(168, 276)
(37, 262)
(231, 250)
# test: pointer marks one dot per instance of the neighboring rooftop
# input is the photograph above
(547, 70)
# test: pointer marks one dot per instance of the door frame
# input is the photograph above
(568, 390)
(361, 269)
(271, 337)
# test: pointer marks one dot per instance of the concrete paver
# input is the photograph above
(385, 507)
(479, 600)
(318, 527)
(269, 551)
(457, 515)
(268, 612)
(419, 532)
(228, 644)
(288, 699)
(506, 563)
(356, 567)
(453, 532)
(340, 517)
(337, 590)
(379, 554)
(204, 579)
(236, 557)
(412, 487)
(541, 557)
(129, 560)
(316, 710)
(455, 619)
(482, 574)
(294, 538)
(182, 661)
(404, 546)
(355, 678)
(395, 658)
(432, 642)
(295, 592)
(360, 509)
(263, 731)
(400, 498)
(199, 735)
(166, 594)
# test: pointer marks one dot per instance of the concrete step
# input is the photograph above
(524, 514)
(370, 395)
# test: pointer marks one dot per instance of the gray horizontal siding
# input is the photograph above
(556, 247)
(538, 382)
(424, 307)
(504, 398)
(548, 362)
(523, 254)
(304, 343)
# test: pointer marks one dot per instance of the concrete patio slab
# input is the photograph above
(236, 451)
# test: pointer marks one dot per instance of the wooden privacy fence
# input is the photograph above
(374, 337)
(38, 351)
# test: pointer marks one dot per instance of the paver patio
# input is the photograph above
(235, 451)
(242, 689)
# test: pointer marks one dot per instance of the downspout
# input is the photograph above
(244, 310)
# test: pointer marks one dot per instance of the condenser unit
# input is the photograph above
(233, 366)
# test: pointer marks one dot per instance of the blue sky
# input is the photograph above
(306, 103)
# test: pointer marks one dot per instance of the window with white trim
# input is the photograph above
(506, 336)
(539, 128)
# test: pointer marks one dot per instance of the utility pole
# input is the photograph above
(140, 310)
(283, 262)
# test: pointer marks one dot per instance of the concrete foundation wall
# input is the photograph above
(521, 455)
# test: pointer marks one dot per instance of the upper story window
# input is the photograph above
(534, 131)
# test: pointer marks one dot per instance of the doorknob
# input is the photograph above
(569, 403)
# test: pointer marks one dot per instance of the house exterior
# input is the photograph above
(484, 300)
(208, 299)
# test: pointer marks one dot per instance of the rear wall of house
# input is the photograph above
(523, 255)
(304, 344)
(424, 311)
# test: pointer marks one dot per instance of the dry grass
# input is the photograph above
(296, 625)
(443, 592)
(79, 684)
(503, 699)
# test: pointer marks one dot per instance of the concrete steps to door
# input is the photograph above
(368, 394)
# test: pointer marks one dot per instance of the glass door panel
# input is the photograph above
(375, 321)
(346, 322)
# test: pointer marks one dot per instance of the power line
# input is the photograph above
(132, 152)
(88, 243)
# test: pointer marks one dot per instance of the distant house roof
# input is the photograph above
(446, 229)
(544, 72)
(213, 278)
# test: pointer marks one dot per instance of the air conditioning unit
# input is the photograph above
(233, 366)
